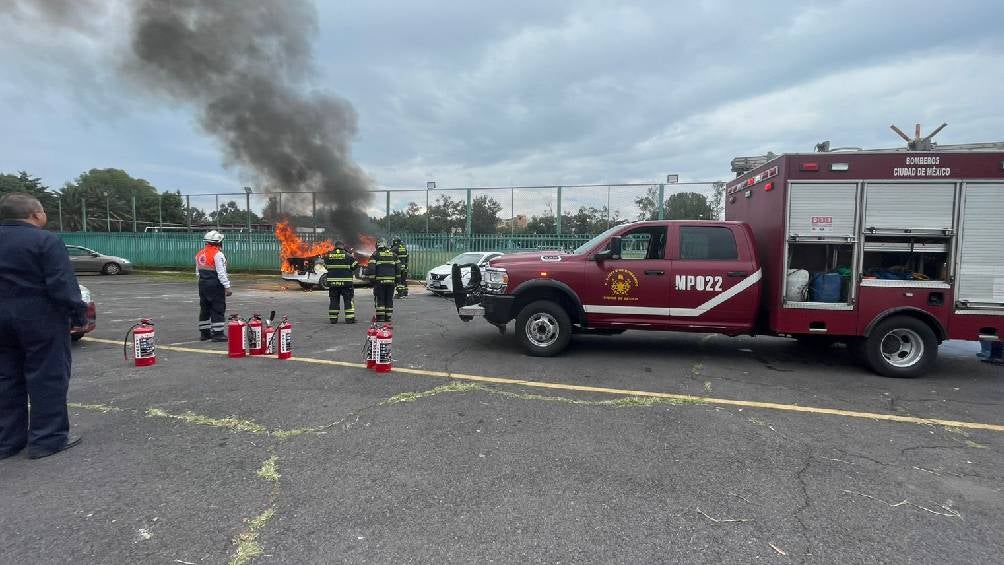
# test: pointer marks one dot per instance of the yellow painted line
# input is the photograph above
(626, 392)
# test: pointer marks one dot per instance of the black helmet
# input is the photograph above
(339, 244)
(396, 241)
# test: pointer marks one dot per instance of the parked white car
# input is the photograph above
(440, 279)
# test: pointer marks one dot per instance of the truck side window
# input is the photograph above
(708, 243)
(644, 243)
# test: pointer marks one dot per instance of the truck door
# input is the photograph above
(632, 289)
(716, 279)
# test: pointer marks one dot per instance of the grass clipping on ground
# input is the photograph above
(625, 401)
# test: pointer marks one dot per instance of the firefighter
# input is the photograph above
(340, 265)
(214, 287)
(385, 269)
(39, 301)
(399, 248)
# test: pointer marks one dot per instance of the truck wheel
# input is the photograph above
(543, 328)
(323, 282)
(900, 347)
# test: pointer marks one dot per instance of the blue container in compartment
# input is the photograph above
(826, 287)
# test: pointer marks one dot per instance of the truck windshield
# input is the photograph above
(589, 244)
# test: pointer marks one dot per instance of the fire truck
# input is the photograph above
(889, 251)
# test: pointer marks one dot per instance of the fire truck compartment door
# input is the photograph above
(921, 206)
(981, 251)
(822, 210)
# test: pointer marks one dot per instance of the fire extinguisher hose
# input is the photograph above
(125, 340)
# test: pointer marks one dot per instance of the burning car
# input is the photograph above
(309, 272)
(303, 262)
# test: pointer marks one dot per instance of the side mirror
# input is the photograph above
(95, 255)
(613, 251)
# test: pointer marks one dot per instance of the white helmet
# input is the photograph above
(213, 236)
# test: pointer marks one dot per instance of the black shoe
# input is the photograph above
(205, 337)
(219, 338)
(70, 442)
(350, 321)
(333, 320)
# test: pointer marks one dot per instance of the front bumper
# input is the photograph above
(498, 308)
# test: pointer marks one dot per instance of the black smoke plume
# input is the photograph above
(246, 66)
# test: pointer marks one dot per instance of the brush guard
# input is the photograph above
(468, 297)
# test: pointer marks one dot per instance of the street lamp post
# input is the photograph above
(430, 185)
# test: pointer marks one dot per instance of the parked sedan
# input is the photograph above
(77, 332)
(440, 279)
(86, 260)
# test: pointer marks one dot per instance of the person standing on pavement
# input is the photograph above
(340, 265)
(401, 250)
(214, 287)
(39, 301)
(385, 270)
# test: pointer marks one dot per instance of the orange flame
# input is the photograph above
(290, 245)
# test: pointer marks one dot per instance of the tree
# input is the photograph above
(23, 182)
(484, 214)
(679, 206)
(717, 202)
(231, 214)
(91, 188)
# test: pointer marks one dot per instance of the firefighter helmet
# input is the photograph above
(381, 242)
(213, 236)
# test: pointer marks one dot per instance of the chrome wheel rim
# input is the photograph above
(112, 269)
(902, 348)
(542, 329)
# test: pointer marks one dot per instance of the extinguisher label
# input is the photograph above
(254, 338)
(285, 341)
(144, 346)
(270, 344)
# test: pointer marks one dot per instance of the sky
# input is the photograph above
(534, 93)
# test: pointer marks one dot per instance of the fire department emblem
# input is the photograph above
(621, 282)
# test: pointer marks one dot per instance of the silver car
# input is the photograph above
(86, 260)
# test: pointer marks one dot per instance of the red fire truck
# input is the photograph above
(891, 252)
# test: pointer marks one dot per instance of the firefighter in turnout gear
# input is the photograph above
(340, 264)
(214, 287)
(399, 248)
(385, 269)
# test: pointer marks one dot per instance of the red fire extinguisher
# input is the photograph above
(384, 338)
(369, 352)
(285, 333)
(256, 342)
(236, 336)
(144, 350)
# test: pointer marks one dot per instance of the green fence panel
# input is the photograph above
(260, 251)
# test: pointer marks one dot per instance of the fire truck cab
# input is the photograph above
(891, 252)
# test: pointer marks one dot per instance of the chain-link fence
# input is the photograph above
(518, 210)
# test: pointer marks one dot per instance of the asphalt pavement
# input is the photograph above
(639, 448)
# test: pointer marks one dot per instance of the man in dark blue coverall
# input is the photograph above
(39, 298)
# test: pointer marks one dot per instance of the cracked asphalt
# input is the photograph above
(416, 468)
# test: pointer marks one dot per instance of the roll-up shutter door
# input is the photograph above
(822, 210)
(909, 206)
(981, 256)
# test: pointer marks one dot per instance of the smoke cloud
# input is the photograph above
(246, 67)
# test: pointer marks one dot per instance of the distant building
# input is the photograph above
(520, 221)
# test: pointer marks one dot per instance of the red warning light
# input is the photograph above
(768, 187)
(809, 167)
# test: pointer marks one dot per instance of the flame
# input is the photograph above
(290, 245)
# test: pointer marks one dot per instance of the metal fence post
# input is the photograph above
(468, 227)
(387, 213)
(608, 206)
(160, 210)
(557, 218)
(59, 201)
(134, 213)
(512, 211)
(247, 200)
(217, 211)
(188, 210)
(313, 211)
(426, 207)
(662, 202)
(83, 203)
